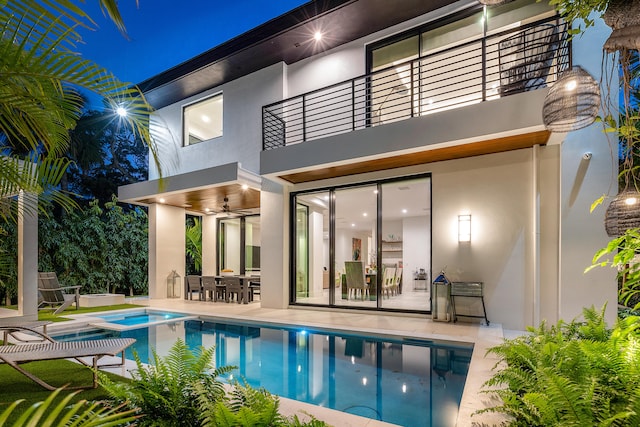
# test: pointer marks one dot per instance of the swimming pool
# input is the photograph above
(402, 381)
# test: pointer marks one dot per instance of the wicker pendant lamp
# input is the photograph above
(572, 102)
(623, 213)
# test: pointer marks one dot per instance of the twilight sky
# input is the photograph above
(164, 33)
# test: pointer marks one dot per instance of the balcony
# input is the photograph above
(515, 61)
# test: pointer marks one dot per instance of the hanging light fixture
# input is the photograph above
(572, 103)
(623, 213)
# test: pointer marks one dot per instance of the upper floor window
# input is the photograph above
(203, 120)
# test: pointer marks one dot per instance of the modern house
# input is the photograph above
(349, 150)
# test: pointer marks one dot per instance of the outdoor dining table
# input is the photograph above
(245, 281)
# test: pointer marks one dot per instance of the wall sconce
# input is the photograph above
(464, 228)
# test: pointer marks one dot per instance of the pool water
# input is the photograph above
(140, 318)
(401, 381)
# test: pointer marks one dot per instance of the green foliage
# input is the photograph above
(166, 391)
(194, 246)
(182, 389)
(65, 412)
(570, 374)
(579, 12)
(621, 254)
(100, 249)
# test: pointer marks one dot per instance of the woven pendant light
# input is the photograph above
(623, 213)
(572, 102)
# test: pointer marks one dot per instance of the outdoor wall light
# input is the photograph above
(464, 228)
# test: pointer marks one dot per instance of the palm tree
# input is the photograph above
(41, 77)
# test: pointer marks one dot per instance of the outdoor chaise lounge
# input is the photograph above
(50, 349)
(53, 294)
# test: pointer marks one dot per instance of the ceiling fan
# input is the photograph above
(226, 210)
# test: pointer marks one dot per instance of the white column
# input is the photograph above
(27, 257)
(274, 256)
(209, 246)
(167, 242)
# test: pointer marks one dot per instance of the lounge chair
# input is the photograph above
(53, 294)
(49, 349)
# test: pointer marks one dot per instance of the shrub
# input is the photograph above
(570, 374)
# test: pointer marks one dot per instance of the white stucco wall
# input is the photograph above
(274, 259)
(241, 142)
(167, 241)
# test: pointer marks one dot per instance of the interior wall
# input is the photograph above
(416, 246)
(316, 260)
(167, 243)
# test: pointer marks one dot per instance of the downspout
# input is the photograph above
(535, 241)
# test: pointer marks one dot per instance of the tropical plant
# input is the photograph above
(66, 413)
(41, 77)
(166, 391)
(244, 406)
(579, 373)
(194, 246)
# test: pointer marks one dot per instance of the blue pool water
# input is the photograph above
(140, 318)
(402, 381)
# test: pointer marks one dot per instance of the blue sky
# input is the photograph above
(164, 33)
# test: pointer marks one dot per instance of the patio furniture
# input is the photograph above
(468, 290)
(10, 326)
(209, 286)
(49, 349)
(526, 58)
(233, 287)
(194, 285)
(356, 281)
(388, 277)
(52, 294)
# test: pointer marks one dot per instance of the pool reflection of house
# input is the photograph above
(407, 138)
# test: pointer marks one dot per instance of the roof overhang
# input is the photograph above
(200, 192)
(287, 38)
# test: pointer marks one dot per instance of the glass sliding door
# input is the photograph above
(355, 237)
(312, 274)
(405, 250)
(364, 246)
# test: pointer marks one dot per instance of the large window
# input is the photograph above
(203, 120)
(364, 246)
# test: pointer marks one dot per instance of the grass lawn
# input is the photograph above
(48, 314)
(16, 386)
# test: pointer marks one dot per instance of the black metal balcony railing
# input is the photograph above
(514, 61)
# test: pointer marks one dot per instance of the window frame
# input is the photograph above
(185, 140)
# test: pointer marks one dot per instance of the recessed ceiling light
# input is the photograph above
(245, 187)
(205, 118)
(353, 225)
(365, 214)
(206, 209)
(375, 191)
(404, 211)
(161, 200)
(317, 36)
